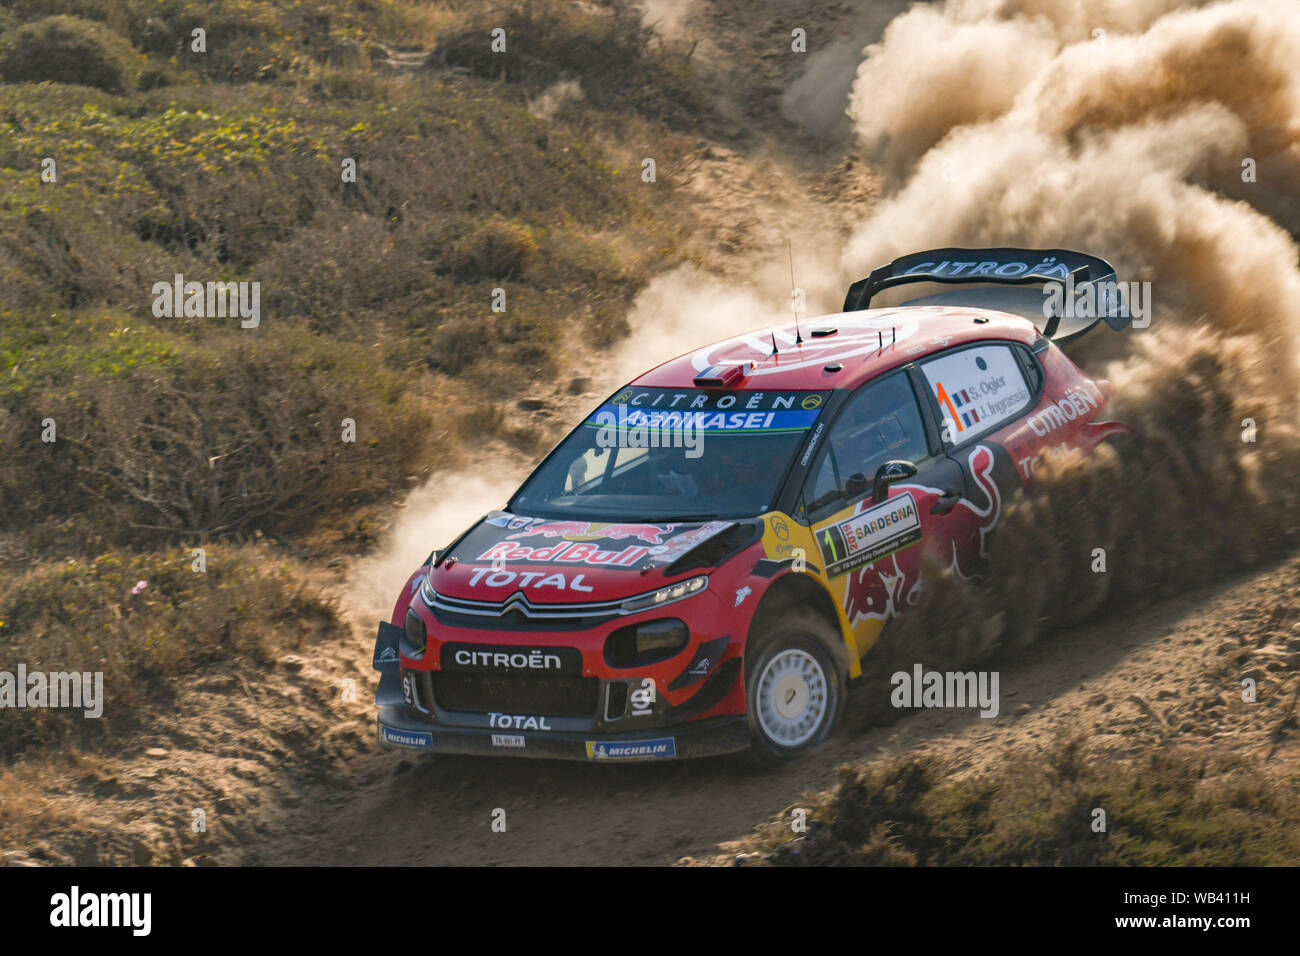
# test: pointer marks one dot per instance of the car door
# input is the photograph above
(871, 547)
(978, 394)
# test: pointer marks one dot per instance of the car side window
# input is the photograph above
(880, 423)
(824, 486)
(977, 390)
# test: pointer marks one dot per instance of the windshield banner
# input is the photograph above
(693, 410)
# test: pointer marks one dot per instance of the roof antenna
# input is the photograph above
(794, 302)
(774, 349)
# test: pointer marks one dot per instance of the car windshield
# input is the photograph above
(671, 454)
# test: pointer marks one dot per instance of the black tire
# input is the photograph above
(804, 646)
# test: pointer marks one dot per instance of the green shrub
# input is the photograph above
(343, 272)
(166, 440)
(70, 50)
(620, 61)
(369, 288)
(496, 249)
(250, 40)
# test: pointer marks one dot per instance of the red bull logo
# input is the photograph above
(649, 533)
(566, 552)
(882, 588)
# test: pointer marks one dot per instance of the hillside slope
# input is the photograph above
(181, 433)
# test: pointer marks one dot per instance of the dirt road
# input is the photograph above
(1128, 684)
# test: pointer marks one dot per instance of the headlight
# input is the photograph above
(674, 592)
(646, 643)
(414, 638)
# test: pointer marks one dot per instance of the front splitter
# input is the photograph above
(702, 738)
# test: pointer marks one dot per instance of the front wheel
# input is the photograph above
(794, 688)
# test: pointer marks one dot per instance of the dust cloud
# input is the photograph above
(1162, 137)
(431, 517)
(1164, 140)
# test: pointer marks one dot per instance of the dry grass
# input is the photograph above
(1037, 809)
(84, 616)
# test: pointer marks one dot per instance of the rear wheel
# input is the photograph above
(794, 687)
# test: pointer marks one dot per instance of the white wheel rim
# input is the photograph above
(792, 697)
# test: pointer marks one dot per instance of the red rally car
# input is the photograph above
(700, 566)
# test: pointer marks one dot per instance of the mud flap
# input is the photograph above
(388, 661)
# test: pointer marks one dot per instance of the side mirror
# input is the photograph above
(889, 473)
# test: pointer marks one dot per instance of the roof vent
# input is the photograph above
(720, 376)
(823, 333)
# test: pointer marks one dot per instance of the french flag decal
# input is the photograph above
(961, 398)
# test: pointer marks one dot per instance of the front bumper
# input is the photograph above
(701, 738)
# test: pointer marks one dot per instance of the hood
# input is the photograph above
(565, 561)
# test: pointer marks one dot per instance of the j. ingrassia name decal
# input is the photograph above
(57, 689)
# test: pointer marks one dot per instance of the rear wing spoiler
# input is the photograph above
(1088, 291)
